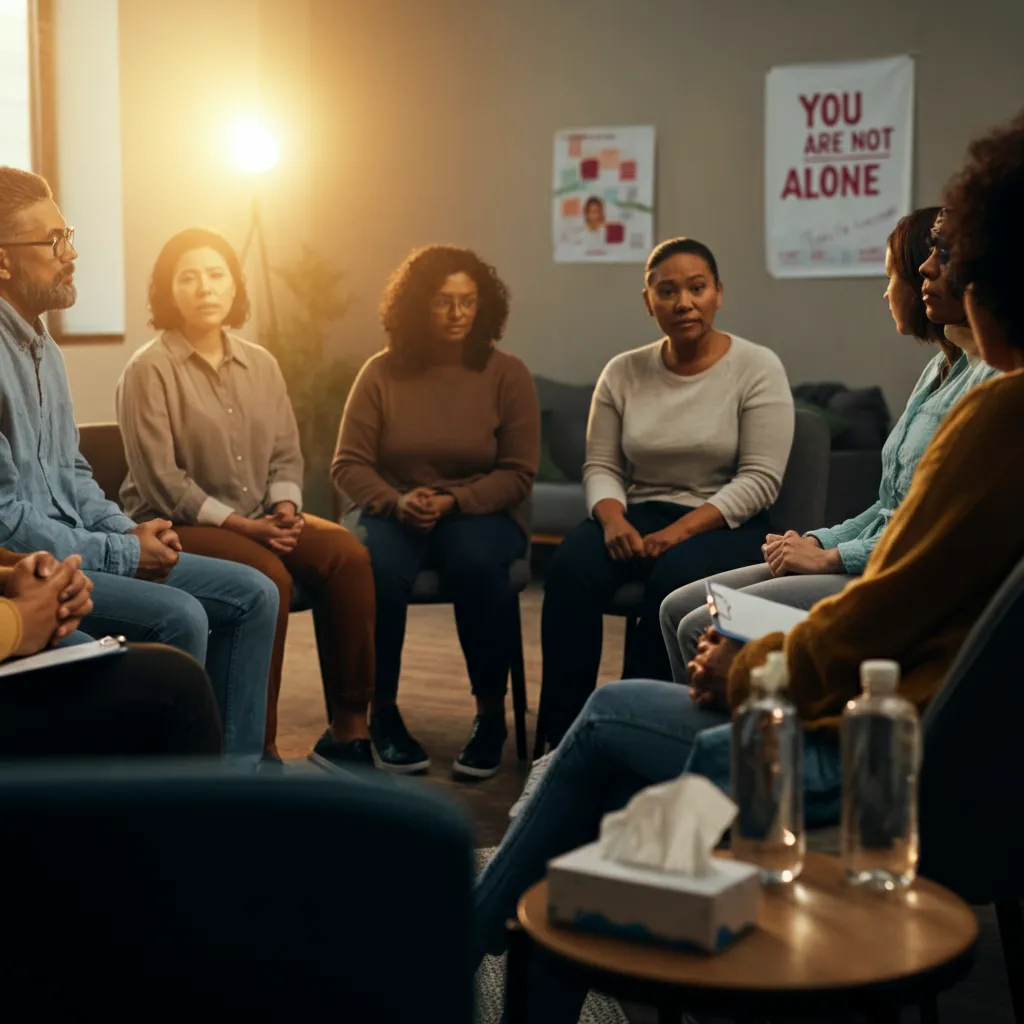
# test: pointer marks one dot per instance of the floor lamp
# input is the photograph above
(257, 151)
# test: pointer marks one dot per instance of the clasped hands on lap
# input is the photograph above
(786, 554)
(421, 508)
(52, 598)
(624, 541)
(278, 532)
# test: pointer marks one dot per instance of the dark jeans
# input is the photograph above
(581, 580)
(472, 554)
(150, 701)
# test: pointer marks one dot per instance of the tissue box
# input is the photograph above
(707, 913)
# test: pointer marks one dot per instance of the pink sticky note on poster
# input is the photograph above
(614, 234)
(575, 145)
(627, 170)
(609, 159)
(590, 169)
(570, 207)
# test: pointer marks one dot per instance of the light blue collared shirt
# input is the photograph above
(49, 500)
(930, 402)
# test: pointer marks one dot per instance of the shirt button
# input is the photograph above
(245, 490)
(238, 458)
(231, 410)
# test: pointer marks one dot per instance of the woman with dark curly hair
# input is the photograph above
(950, 545)
(438, 449)
(212, 445)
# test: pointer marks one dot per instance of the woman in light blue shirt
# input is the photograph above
(800, 571)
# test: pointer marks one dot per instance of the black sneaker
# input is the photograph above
(480, 758)
(330, 753)
(394, 749)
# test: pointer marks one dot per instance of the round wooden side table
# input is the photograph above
(820, 946)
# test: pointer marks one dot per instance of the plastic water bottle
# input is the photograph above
(767, 776)
(881, 745)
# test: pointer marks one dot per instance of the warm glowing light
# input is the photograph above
(256, 149)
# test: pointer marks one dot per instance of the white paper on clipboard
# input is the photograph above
(64, 656)
(744, 617)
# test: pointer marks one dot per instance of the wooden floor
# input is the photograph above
(435, 701)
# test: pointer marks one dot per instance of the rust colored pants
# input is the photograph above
(334, 568)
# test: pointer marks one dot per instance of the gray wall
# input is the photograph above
(435, 121)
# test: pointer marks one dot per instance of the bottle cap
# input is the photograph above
(773, 675)
(880, 676)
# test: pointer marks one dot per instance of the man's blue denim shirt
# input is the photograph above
(49, 500)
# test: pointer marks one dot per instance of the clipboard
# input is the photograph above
(743, 617)
(64, 656)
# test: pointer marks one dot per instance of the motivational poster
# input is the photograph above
(838, 165)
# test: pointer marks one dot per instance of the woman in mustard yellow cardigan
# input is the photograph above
(151, 700)
(950, 544)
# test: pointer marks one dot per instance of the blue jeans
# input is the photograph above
(472, 555)
(630, 735)
(222, 613)
(581, 580)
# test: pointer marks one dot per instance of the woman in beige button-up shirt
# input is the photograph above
(213, 445)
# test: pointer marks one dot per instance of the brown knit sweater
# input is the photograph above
(473, 433)
(952, 542)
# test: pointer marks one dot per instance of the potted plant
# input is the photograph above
(318, 383)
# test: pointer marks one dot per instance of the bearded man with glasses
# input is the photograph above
(221, 613)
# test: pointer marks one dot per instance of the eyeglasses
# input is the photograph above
(59, 243)
(457, 305)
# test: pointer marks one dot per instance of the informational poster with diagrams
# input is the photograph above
(603, 195)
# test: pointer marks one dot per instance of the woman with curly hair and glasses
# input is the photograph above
(213, 446)
(438, 449)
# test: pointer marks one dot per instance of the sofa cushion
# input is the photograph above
(548, 471)
(866, 416)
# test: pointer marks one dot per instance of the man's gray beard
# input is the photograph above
(60, 295)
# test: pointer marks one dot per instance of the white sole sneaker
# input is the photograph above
(399, 769)
(475, 773)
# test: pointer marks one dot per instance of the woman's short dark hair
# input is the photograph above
(164, 314)
(593, 201)
(909, 246)
(405, 306)
(676, 247)
(984, 224)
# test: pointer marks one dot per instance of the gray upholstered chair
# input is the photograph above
(103, 448)
(800, 506)
(202, 886)
(971, 812)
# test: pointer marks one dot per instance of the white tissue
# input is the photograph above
(673, 826)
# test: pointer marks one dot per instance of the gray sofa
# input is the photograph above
(858, 424)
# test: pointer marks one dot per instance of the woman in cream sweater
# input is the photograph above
(687, 444)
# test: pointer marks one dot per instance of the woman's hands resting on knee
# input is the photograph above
(709, 670)
(621, 538)
(52, 598)
(279, 531)
(790, 554)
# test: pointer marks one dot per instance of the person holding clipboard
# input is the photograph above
(85, 699)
